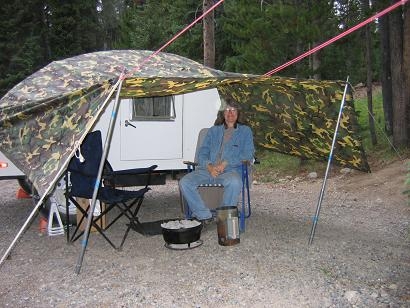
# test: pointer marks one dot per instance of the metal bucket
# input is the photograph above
(227, 225)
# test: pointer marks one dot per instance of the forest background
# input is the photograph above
(248, 36)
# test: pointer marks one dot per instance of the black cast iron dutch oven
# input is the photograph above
(182, 235)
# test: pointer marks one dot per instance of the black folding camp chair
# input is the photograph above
(83, 171)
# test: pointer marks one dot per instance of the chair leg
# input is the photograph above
(67, 202)
(242, 213)
(134, 221)
(245, 199)
(94, 223)
(248, 197)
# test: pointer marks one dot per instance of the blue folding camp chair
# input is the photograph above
(212, 194)
(83, 173)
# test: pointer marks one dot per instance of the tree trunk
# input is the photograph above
(386, 75)
(399, 106)
(369, 74)
(45, 33)
(406, 67)
(209, 35)
(316, 62)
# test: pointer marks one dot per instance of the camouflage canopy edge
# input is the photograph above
(299, 118)
(51, 126)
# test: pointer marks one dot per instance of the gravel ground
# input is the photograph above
(359, 256)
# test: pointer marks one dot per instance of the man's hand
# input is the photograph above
(216, 169)
(212, 170)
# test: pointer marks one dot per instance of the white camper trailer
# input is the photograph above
(157, 130)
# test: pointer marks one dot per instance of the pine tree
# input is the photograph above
(23, 46)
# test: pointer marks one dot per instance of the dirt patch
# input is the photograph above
(359, 256)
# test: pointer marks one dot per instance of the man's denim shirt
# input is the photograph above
(240, 147)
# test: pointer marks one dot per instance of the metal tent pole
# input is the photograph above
(322, 190)
(86, 234)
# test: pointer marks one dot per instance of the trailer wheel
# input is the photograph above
(26, 185)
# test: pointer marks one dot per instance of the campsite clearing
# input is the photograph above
(359, 256)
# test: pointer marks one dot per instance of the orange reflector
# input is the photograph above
(43, 223)
(3, 164)
(21, 194)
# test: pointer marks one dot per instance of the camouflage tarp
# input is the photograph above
(43, 118)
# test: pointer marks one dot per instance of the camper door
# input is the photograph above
(151, 128)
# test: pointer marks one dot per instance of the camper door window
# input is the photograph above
(153, 109)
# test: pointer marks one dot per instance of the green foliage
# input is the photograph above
(35, 32)
(21, 51)
(275, 166)
(264, 36)
(154, 24)
(260, 38)
(382, 150)
(250, 36)
(76, 24)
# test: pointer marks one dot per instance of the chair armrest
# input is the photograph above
(131, 171)
(249, 162)
(140, 177)
(190, 163)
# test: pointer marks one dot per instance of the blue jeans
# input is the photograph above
(231, 181)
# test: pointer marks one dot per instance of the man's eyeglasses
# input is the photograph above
(230, 109)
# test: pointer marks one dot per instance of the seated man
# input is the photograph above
(220, 157)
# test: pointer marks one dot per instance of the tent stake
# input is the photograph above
(108, 138)
(322, 190)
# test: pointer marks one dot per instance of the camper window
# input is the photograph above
(153, 109)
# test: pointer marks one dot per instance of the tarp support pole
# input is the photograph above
(322, 190)
(107, 143)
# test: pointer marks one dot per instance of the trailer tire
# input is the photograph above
(25, 185)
